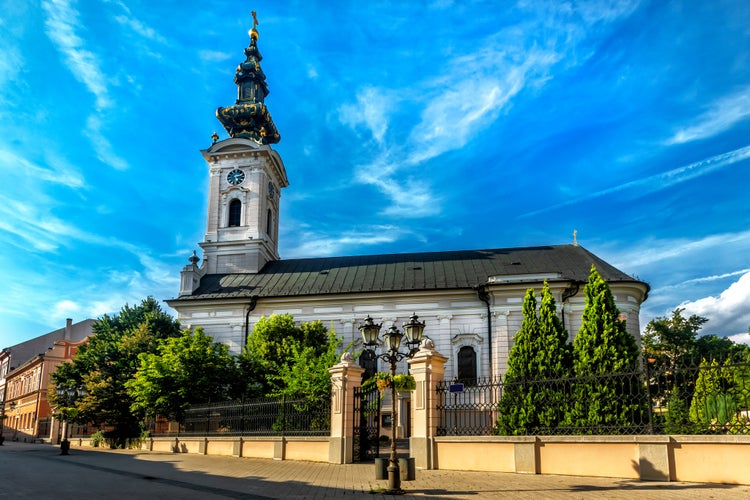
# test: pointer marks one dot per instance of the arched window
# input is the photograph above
(467, 365)
(235, 213)
(369, 362)
(269, 223)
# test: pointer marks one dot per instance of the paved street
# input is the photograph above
(38, 471)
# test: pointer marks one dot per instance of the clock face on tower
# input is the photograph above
(235, 177)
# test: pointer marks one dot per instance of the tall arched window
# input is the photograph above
(235, 213)
(269, 223)
(467, 365)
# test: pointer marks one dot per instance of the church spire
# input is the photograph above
(249, 117)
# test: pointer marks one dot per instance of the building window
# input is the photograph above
(235, 213)
(467, 365)
(369, 362)
(269, 223)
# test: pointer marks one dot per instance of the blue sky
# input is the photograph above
(406, 126)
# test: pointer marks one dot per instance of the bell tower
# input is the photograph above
(246, 178)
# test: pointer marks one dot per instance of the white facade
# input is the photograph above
(453, 318)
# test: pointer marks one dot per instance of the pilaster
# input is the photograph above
(345, 376)
(428, 369)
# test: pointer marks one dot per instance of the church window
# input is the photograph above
(235, 213)
(467, 365)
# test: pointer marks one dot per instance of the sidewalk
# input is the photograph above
(38, 471)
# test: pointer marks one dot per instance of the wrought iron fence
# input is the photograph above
(257, 417)
(662, 398)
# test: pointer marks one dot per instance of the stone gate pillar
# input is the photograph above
(345, 376)
(428, 368)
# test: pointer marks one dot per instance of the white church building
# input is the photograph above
(470, 300)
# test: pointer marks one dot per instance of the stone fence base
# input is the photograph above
(312, 449)
(706, 459)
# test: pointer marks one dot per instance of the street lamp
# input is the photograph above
(392, 337)
(67, 396)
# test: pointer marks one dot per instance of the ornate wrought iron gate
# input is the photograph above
(366, 424)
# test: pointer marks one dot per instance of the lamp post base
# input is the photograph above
(394, 478)
(64, 447)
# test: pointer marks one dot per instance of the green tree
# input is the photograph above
(109, 360)
(276, 347)
(672, 341)
(677, 420)
(609, 394)
(533, 396)
(711, 407)
(185, 370)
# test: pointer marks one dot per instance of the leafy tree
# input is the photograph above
(532, 401)
(672, 341)
(185, 370)
(110, 359)
(603, 348)
(277, 346)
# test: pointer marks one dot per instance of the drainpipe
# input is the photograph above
(569, 292)
(250, 308)
(485, 297)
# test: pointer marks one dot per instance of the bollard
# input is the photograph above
(408, 469)
(381, 468)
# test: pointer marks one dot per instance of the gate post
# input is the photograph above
(345, 376)
(428, 368)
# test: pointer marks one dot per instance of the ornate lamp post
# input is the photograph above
(392, 337)
(67, 396)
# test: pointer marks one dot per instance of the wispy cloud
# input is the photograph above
(104, 150)
(140, 28)
(654, 251)
(370, 110)
(213, 55)
(653, 183)
(60, 175)
(60, 24)
(469, 92)
(721, 115)
(318, 243)
(11, 63)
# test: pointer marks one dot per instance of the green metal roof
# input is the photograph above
(463, 269)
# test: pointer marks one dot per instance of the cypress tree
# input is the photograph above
(516, 406)
(609, 396)
(553, 363)
(532, 401)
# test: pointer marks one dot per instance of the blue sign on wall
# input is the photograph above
(456, 388)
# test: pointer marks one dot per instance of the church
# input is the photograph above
(470, 300)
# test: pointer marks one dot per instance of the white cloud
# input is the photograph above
(728, 312)
(65, 309)
(472, 87)
(140, 28)
(721, 116)
(61, 174)
(102, 146)
(658, 182)
(213, 55)
(319, 244)
(655, 251)
(370, 110)
(61, 23)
